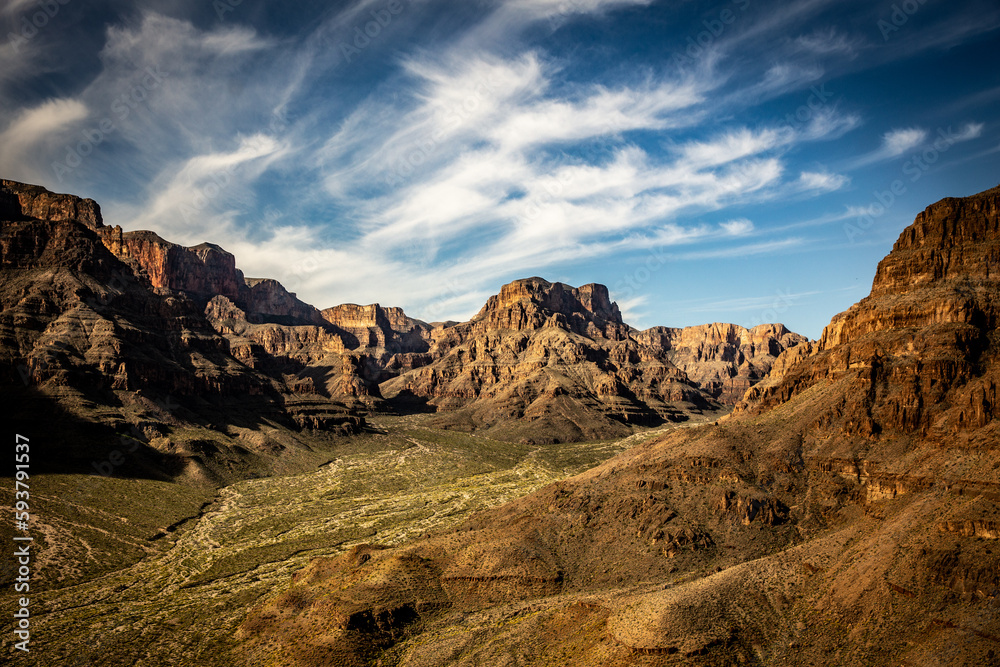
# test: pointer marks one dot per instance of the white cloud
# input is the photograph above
(737, 227)
(15, 6)
(969, 131)
(200, 190)
(557, 11)
(466, 165)
(827, 42)
(33, 132)
(897, 142)
(824, 181)
(764, 248)
(894, 143)
(827, 124)
(734, 146)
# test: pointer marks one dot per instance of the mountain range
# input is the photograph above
(834, 501)
(845, 513)
(112, 325)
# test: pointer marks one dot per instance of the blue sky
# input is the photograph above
(738, 161)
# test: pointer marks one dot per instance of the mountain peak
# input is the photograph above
(918, 347)
(533, 303)
(34, 201)
(952, 238)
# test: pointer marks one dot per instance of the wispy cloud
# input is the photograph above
(37, 131)
(470, 143)
(828, 41)
(895, 142)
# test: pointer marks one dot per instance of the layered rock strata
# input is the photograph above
(723, 360)
(844, 513)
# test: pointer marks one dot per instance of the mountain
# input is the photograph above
(103, 334)
(220, 376)
(846, 513)
(547, 362)
(723, 360)
(541, 362)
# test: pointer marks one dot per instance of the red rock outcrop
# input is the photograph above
(385, 331)
(917, 349)
(37, 202)
(91, 335)
(723, 360)
(533, 303)
(205, 271)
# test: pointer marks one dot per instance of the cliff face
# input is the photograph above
(541, 361)
(386, 330)
(534, 303)
(205, 271)
(90, 334)
(37, 202)
(845, 512)
(723, 360)
(919, 347)
(544, 361)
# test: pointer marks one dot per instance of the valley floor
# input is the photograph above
(115, 588)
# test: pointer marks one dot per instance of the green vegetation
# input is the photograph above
(130, 581)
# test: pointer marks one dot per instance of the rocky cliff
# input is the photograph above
(918, 347)
(89, 336)
(541, 361)
(205, 271)
(844, 514)
(533, 303)
(723, 360)
(544, 361)
(34, 201)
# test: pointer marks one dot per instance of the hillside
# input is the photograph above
(846, 513)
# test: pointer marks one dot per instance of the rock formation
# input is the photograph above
(723, 360)
(96, 338)
(544, 361)
(918, 347)
(540, 362)
(844, 514)
(34, 201)
(205, 271)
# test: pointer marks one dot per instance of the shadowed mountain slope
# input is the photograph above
(544, 361)
(90, 332)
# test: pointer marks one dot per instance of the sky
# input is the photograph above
(733, 161)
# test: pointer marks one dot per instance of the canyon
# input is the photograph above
(844, 513)
(94, 315)
(541, 484)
